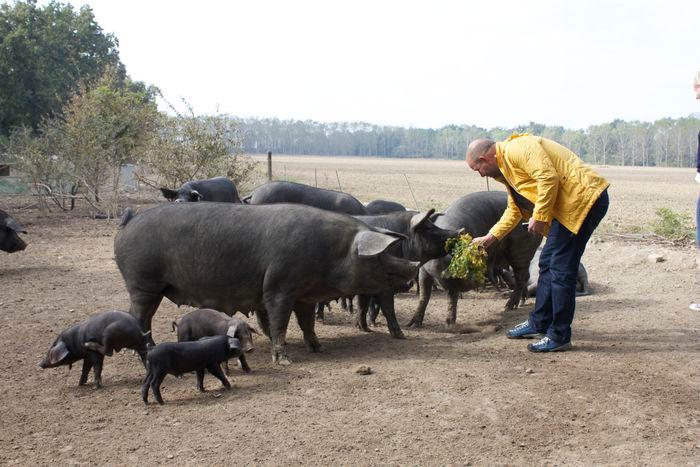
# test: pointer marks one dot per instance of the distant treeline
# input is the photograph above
(666, 142)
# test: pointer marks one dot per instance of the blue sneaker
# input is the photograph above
(521, 331)
(547, 345)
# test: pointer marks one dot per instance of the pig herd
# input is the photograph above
(285, 248)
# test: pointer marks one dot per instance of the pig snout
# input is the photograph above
(16, 244)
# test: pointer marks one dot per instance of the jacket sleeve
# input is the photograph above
(508, 221)
(697, 157)
(528, 155)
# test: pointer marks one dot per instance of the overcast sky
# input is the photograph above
(421, 64)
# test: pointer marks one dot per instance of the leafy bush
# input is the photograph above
(672, 225)
(38, 158)
(468, 260)
(188, 146)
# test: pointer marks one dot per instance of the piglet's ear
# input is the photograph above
(196, 196)
(14, 225)
(234, 343)
(169, 194)
(231, 331)
(254, 331)
(58, 352)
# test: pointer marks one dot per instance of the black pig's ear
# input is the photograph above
(371, 243)
(58, 352)
(196, 196)
(420, 219)
(234, 343)
(169, 194)
(14, 225)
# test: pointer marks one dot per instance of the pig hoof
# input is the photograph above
(398, 335)
(281, 359)
(313, 346)
(414, 323)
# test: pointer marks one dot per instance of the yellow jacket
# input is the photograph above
(559, 184)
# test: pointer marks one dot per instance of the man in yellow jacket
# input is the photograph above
(565, 200)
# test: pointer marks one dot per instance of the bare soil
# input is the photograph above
(628, 393)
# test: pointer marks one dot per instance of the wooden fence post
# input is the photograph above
(269, 165)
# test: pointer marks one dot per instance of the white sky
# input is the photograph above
(422, 64)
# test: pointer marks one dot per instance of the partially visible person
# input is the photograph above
(565, 200)
(695, 306)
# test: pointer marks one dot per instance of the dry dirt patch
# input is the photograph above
(627, 394)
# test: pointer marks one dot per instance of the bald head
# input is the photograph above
(481, 157)
(478, 148)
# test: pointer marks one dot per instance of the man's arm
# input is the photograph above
(508, 221)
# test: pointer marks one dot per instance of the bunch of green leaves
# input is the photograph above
(672, 225)
(468, 260)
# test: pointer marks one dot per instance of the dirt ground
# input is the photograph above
(628, 393)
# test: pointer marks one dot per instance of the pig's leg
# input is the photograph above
(319, 311)
(361, 315)
(113, 338)
(97, 360)
(144, 387)
(305, 318)
(452, 307)
(215, 370)
(263, 321)
(142, 356)
(520, 276)
(87, 364)
(143, 307)
(278, 312)
(386, 302)
(156, 381)
(244, 364)
(425, 284)
(200, 380)
(227, 370)
(373, 311)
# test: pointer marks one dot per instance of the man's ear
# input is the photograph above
(169, 194)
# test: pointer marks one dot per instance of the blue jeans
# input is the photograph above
(555, 300)
(697, 222)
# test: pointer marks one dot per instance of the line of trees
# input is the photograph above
(71, 118)
(667, 142)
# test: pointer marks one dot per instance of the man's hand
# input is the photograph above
(536, 227)
(484, 241)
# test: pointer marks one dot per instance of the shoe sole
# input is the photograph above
(524, 336)
(561, 348)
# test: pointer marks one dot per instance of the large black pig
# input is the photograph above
(424, 241)
(9, 228)
(272, 259)
(382, 206)
(298, 193)
(218, 189)
(476, 213)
